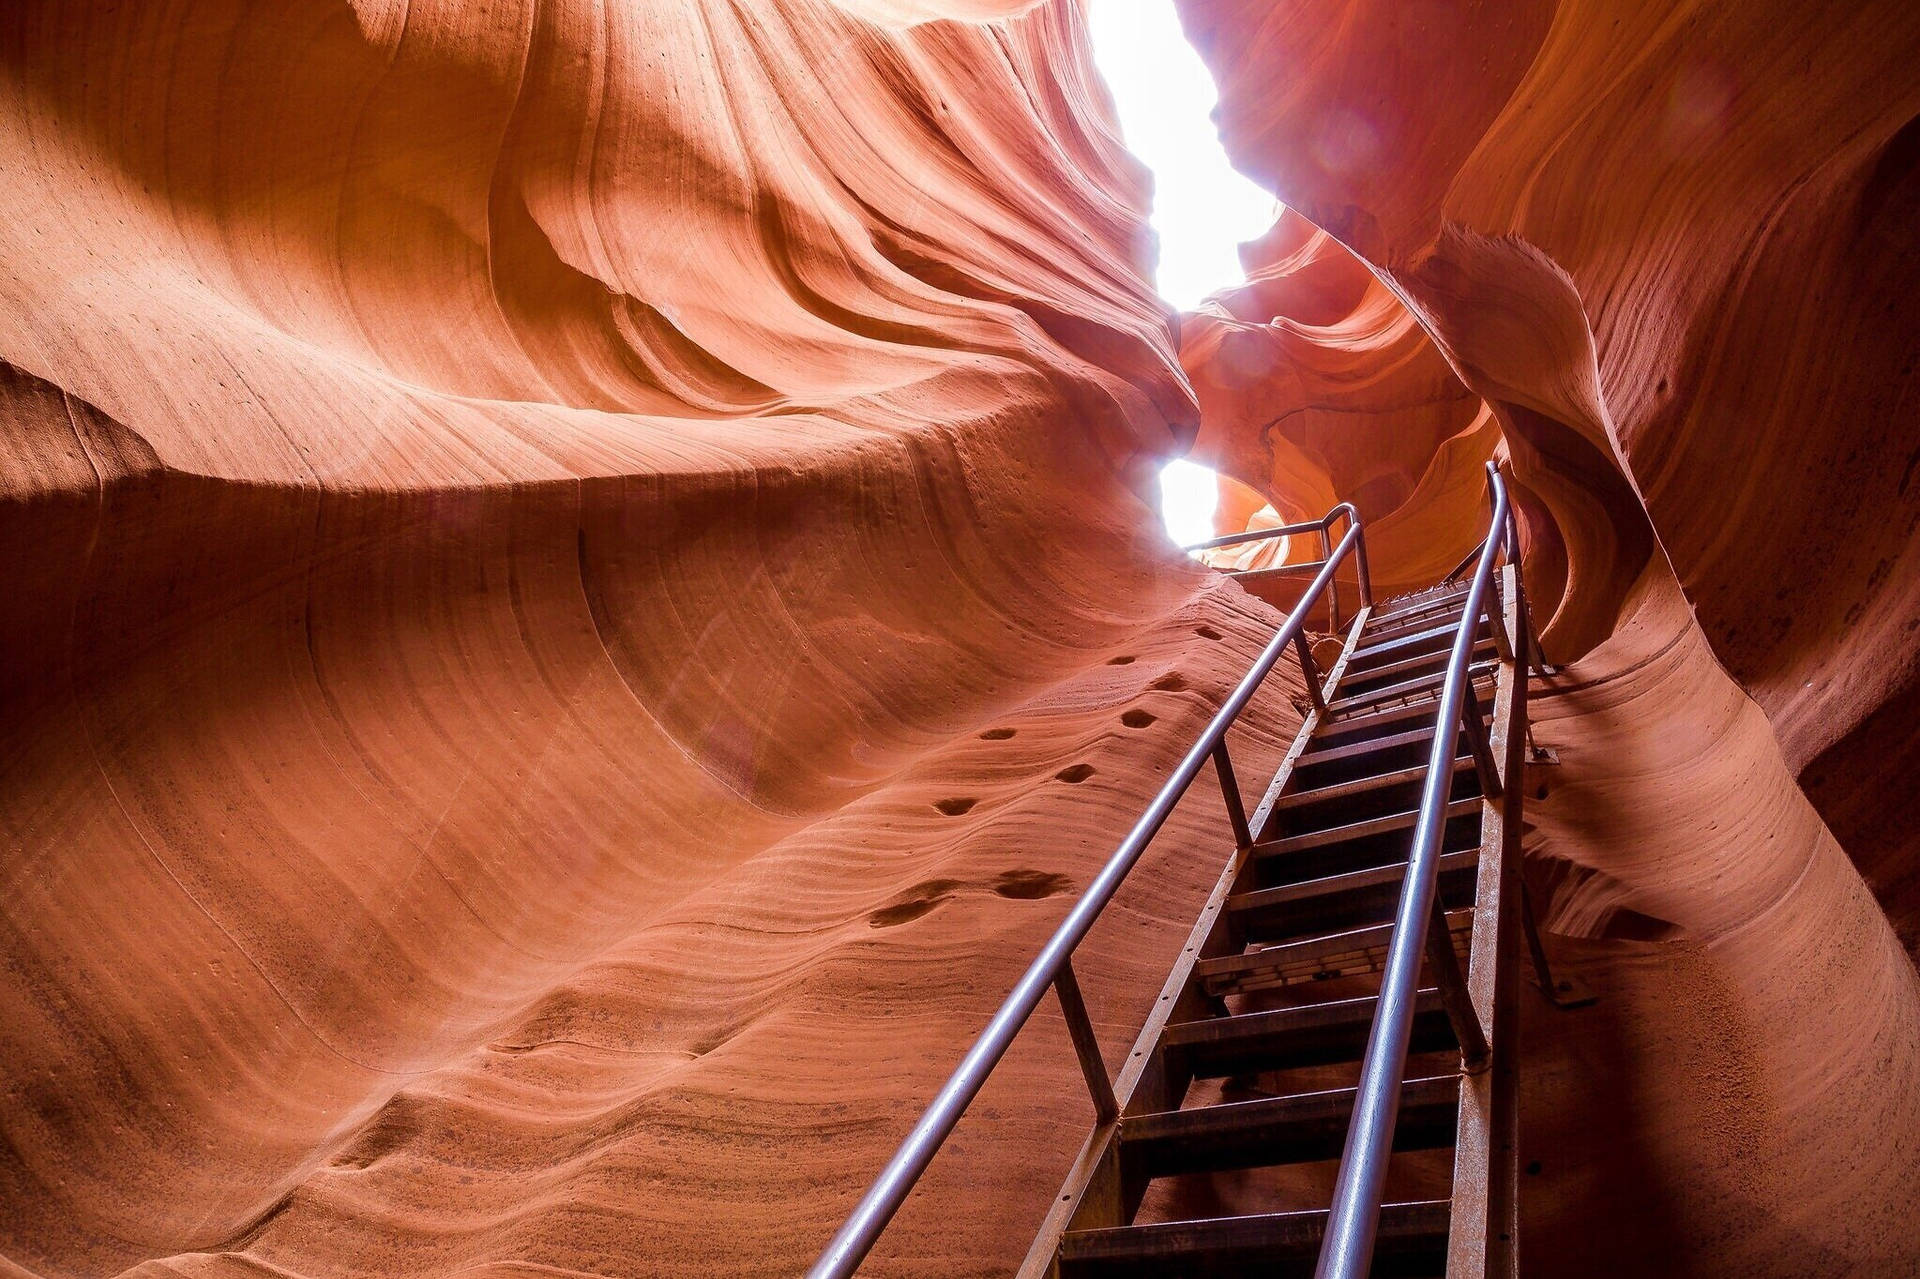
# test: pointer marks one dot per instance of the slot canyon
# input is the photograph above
(585, 591)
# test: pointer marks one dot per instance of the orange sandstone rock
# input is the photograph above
(579, 600)
(524, 528)
(1668, 246)
(1316, 385)
(1671, 246)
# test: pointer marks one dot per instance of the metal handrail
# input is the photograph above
(1324, 527)
(1347, 1247)
(1320, 525)
(1053, 965)
(1467, 561)
(1535, 657)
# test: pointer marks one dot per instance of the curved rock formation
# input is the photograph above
(1668, 245)
(1316, 386)
(1745, 1095)
(580, 600)
(1672, 246)
(571, 568)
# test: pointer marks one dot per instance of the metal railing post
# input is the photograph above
(1475, 1056)
(1490, 783)
(1497, 626)
(1230, 791)
(1310, 669)
(1333, 587)
(1360, 560)
(1086, 1045)
(863, 1226)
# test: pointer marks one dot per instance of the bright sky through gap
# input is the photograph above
(1202, 208)
(1188, 494)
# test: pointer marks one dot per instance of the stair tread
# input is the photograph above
(1403, 1227)
(1431, 604)
(1290, 1038)
(1354, 880)
(1360, 785)
(1357, 830)
(1270, 1022)
(1411, 663)
(1363, 720)
(1350, 750)
(1409, 688)
(1272, 1114)
(1422, 598)
(1402, 642)
(1290, 962)
(1423, 609)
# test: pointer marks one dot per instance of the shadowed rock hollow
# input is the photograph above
(580, 600)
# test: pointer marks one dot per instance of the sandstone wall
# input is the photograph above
(574, 573)
(1670, 246)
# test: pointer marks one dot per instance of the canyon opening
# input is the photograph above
(1200, 209)
(600, 677)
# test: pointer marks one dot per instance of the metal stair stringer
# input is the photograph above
(1094, 1194)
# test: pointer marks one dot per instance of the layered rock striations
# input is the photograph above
(1668, 246)
(575, 576)
(1671, 245)
(580, 600)
(1317, 385)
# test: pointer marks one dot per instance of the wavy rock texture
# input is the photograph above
(1745, 1096)
(579, 607)
(1317, 386)
(580, 600)
(1670, 246)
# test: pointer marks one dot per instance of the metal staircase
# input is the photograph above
(1355, 967)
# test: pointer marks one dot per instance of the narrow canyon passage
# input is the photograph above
(587, 588)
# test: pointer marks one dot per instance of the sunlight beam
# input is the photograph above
(1189, 493)
(1202, 208)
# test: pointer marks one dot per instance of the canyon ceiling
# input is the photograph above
(575, 570)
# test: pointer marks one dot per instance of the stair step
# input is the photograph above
(1415, 605)
(1295, 800)
(1410, 1237)
(1359, 830)
(1409, 642)
(1413, 599)
(1288, 1038)
(1337, 902)
(1354, 750)
(1359, 950)
(1302, 1128)
(1416, 632)
(1408, 665)
(1380, 630)
(1364, 721)
(1421, 687)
